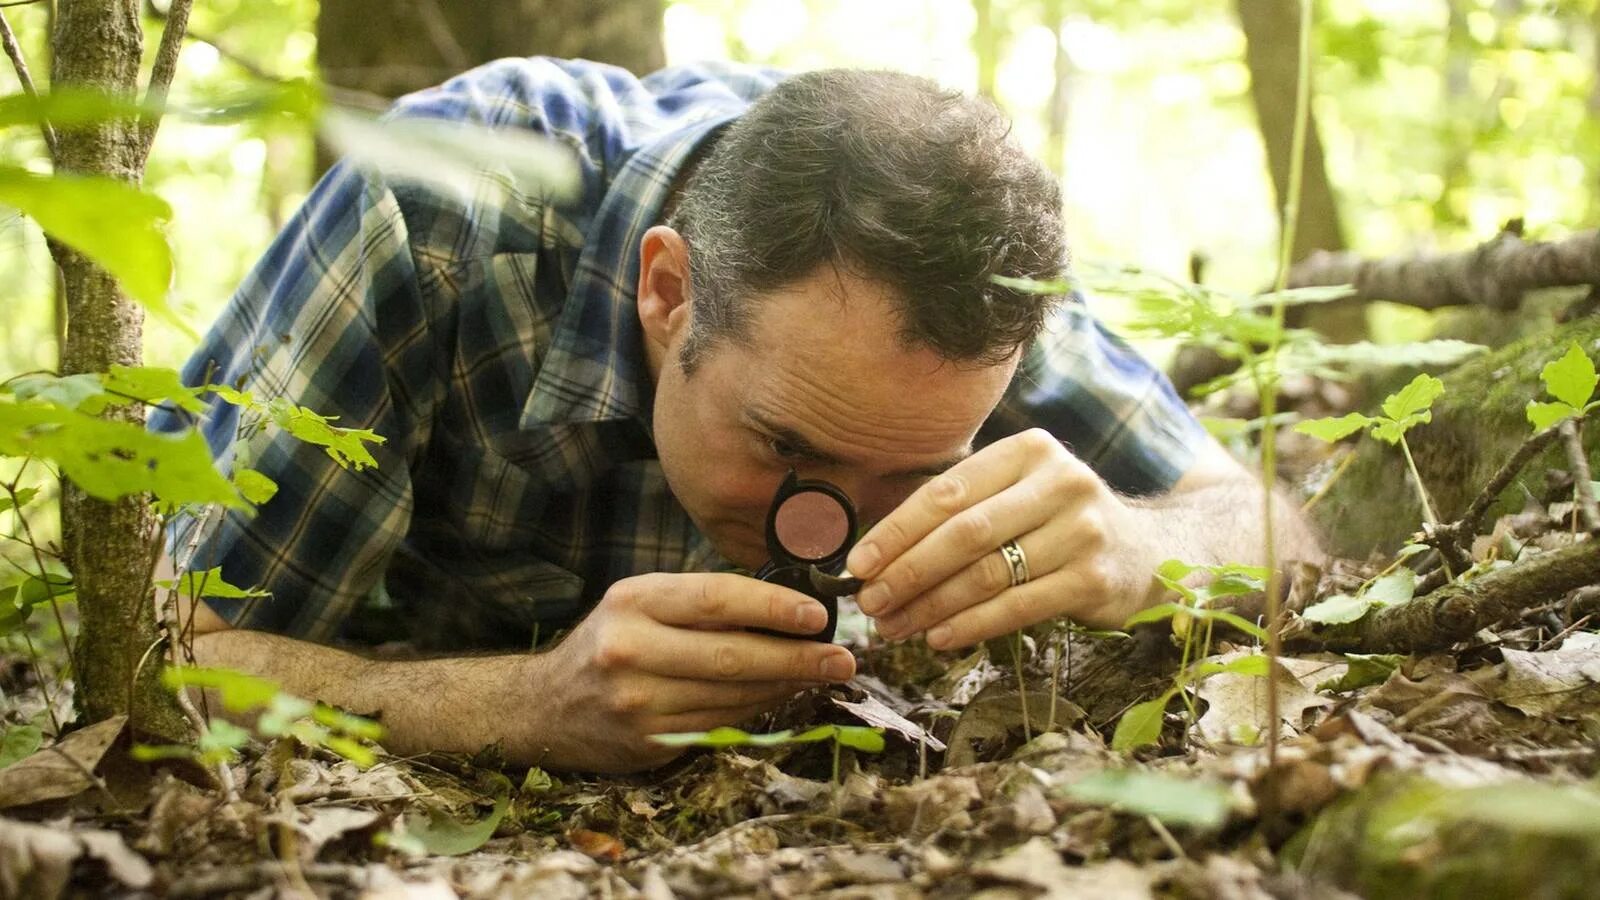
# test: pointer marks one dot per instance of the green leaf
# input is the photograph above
(1556, 810)
(538, 781)
(1176, 801)
(1416, 397)
(1334, 429)
(221, 741)
(24, 497)
(240, 692)
(1339, 609)
(1570, 379)
(1164, 611)
(1396, 587)
(116, 224)
(1543, 415)
(1364, 669)
(1141, 724)
(344, 445)
(71, 392)
(725, 736)
(444, 836)
(210, 583)
(154, 385)
(1255, 665)
(349, 723)
(351, 749)
(67, 107)
(254, 486)
(20, 742)
(112, 459)
(860, 737)
(1390, 431)
(282, 713)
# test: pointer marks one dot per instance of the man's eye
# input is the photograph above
(783, 449)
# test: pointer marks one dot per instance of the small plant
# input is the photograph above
(1571, 380)
(280, 714)
(1403, 410)
(1141, 724)
(857, 737)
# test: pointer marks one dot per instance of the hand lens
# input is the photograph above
(811, 527)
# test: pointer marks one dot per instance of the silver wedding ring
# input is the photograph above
(1016, 560)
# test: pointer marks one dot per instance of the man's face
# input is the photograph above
(823, 386)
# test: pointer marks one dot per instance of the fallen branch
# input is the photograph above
(1495, 274)
(1453, 539)
(1579, 460)
(1456, 612)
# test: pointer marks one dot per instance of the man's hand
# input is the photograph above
(934, 563)
(663, 653)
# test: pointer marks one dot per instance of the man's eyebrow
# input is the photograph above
(804, 447)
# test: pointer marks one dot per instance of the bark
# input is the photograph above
(98, 45)
(1495, 274)
(390, 48)
(1272, 37)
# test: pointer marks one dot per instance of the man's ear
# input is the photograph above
(663, 288)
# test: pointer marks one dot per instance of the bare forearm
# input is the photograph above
(1226, 523)
(451, 704)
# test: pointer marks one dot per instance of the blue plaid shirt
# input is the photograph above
(496, 347)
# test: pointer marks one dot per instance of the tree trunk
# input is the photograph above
(1055, 17)
(98, 44)
(391, 47)
(1272, 41)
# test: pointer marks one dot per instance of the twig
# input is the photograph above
(1450, 538)
(175, 23)
(1582, 486)
(19, 63)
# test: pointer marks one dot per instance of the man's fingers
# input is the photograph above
(724, 656)
(725, 600)
(978, 476)
(674, 696)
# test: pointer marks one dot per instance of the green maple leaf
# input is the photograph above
(1570, 379)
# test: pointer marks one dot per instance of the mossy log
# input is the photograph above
(1477, 424)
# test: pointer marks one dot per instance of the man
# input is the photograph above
(588, 407)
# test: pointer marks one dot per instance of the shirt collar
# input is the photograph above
(594, 369)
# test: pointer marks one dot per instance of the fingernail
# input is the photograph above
(837, 667)
(892, 627)
(863, 560)
(874, 598)
(810, 617)
(939, 637)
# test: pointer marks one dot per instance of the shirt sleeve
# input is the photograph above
(1104, 401)
(332, 318)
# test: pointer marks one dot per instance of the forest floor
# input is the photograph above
(1453, 773)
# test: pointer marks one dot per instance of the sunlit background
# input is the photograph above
(1441, 119)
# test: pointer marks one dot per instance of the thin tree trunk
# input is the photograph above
(98, 44)
(1272, 38)
(393, 47)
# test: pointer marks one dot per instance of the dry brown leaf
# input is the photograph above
(1237, 703)
(1039, 865)
(62, 770)
(875, 712)
(596, 844)
(922, 807)
(36, 861)
(1562, 682)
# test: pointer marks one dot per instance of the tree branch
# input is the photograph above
(1456, 612)
(176, 22)
(18, 62)
(1496, 274)
(1452, 538)
(1580, 476)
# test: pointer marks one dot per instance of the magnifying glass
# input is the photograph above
(811, 527)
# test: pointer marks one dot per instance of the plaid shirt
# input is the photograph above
(497, 348)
